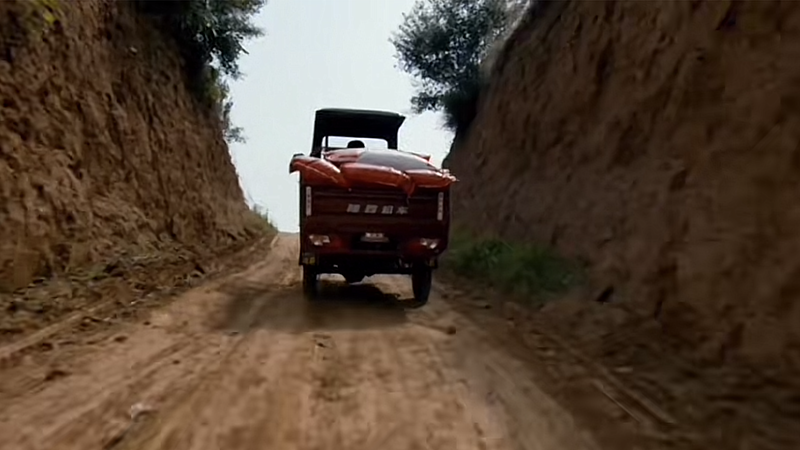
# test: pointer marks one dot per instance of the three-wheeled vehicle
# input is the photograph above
(380, 224)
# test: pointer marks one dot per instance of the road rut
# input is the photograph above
(244, 362)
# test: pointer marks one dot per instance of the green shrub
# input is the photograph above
(220, 96)
(522, 269)
(48, 9)
(29, 21)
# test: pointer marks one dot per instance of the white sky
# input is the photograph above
(318, 54)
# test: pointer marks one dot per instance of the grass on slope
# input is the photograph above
(261, 221)
(534, 272)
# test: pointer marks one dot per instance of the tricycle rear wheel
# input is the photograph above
(310, 282)
(421, 280)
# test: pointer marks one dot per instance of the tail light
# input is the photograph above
(430, 244)
(326, 240)
(318, 240)
(422, 246)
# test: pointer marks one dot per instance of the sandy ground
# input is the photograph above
(244, 362)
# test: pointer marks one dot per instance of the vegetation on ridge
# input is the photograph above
(210, 35)
(442, 43)
(260, 219)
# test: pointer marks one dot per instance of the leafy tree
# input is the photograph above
(442, 43)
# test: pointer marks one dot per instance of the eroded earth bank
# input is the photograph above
(658, 143)
(114, 180)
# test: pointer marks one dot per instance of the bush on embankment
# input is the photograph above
(529, 271)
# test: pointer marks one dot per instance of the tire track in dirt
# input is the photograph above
(90, 407)
(169, 429)
(247, 363)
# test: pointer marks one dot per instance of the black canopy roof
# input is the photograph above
(361, 123)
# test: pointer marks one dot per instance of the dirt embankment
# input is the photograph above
(659, 142)
(104, 152)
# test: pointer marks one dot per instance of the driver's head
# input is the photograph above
(355, 144)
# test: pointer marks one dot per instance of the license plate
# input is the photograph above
(374, 237)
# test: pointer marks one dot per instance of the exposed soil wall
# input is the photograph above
(658, 141)
(103, 149)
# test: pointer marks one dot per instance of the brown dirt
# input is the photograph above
(676, 402)
(120, 290)
(104, 153)
(658, 142)
(245, 362)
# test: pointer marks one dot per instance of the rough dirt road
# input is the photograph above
(244, 362)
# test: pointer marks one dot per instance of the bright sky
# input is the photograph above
(318, 54)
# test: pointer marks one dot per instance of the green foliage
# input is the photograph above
(528, 270)
(49, 9)
(220, 95)
(207, 31)
(232, 132)
(40, 17)
(442, 43)
(210, 35)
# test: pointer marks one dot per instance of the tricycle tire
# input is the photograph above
(421, 280)
(310, 282)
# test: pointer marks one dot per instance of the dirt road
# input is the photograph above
(244, 362)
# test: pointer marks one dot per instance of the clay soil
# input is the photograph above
(117, 163)
(243, 361)
(657, 141)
